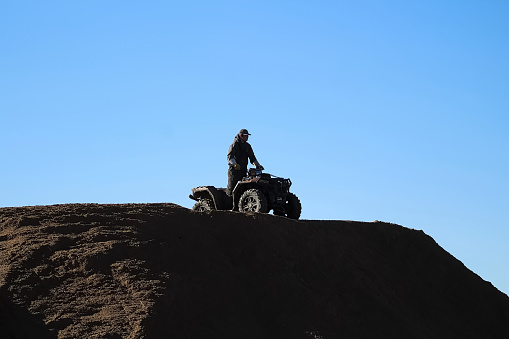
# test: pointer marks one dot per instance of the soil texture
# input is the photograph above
(164, 271)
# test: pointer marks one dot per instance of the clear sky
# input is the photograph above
(377, 110)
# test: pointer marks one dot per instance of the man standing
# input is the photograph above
(238, 153)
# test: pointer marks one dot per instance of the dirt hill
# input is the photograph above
(161, 270)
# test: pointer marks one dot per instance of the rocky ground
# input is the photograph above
(161, 270)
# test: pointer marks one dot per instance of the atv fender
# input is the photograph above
(217, 196)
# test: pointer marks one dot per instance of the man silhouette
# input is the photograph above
(238, 154)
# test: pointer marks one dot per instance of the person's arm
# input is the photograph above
(253, 159)
(257, 164)
(231, 156)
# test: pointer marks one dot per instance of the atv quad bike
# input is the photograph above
(257, 192)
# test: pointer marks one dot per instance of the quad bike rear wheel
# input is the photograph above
(253, 200)
(203, 205)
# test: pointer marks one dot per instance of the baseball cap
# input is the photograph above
(244, 131)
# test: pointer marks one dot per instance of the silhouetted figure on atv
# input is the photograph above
(239, 153)
(255, 192)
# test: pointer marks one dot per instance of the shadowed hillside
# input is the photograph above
(161, 270)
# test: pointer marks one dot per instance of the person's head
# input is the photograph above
(244, 134)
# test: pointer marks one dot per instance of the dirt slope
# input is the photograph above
(161, 270)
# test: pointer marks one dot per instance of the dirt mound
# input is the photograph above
(161, 270)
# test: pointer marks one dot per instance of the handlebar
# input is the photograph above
(255, 171)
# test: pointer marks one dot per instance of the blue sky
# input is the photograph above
(377, 110)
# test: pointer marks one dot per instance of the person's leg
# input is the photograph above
(231, 182)
(233, 178)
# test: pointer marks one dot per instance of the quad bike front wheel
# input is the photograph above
(292, 207)
(253, 200)
(203, 205)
